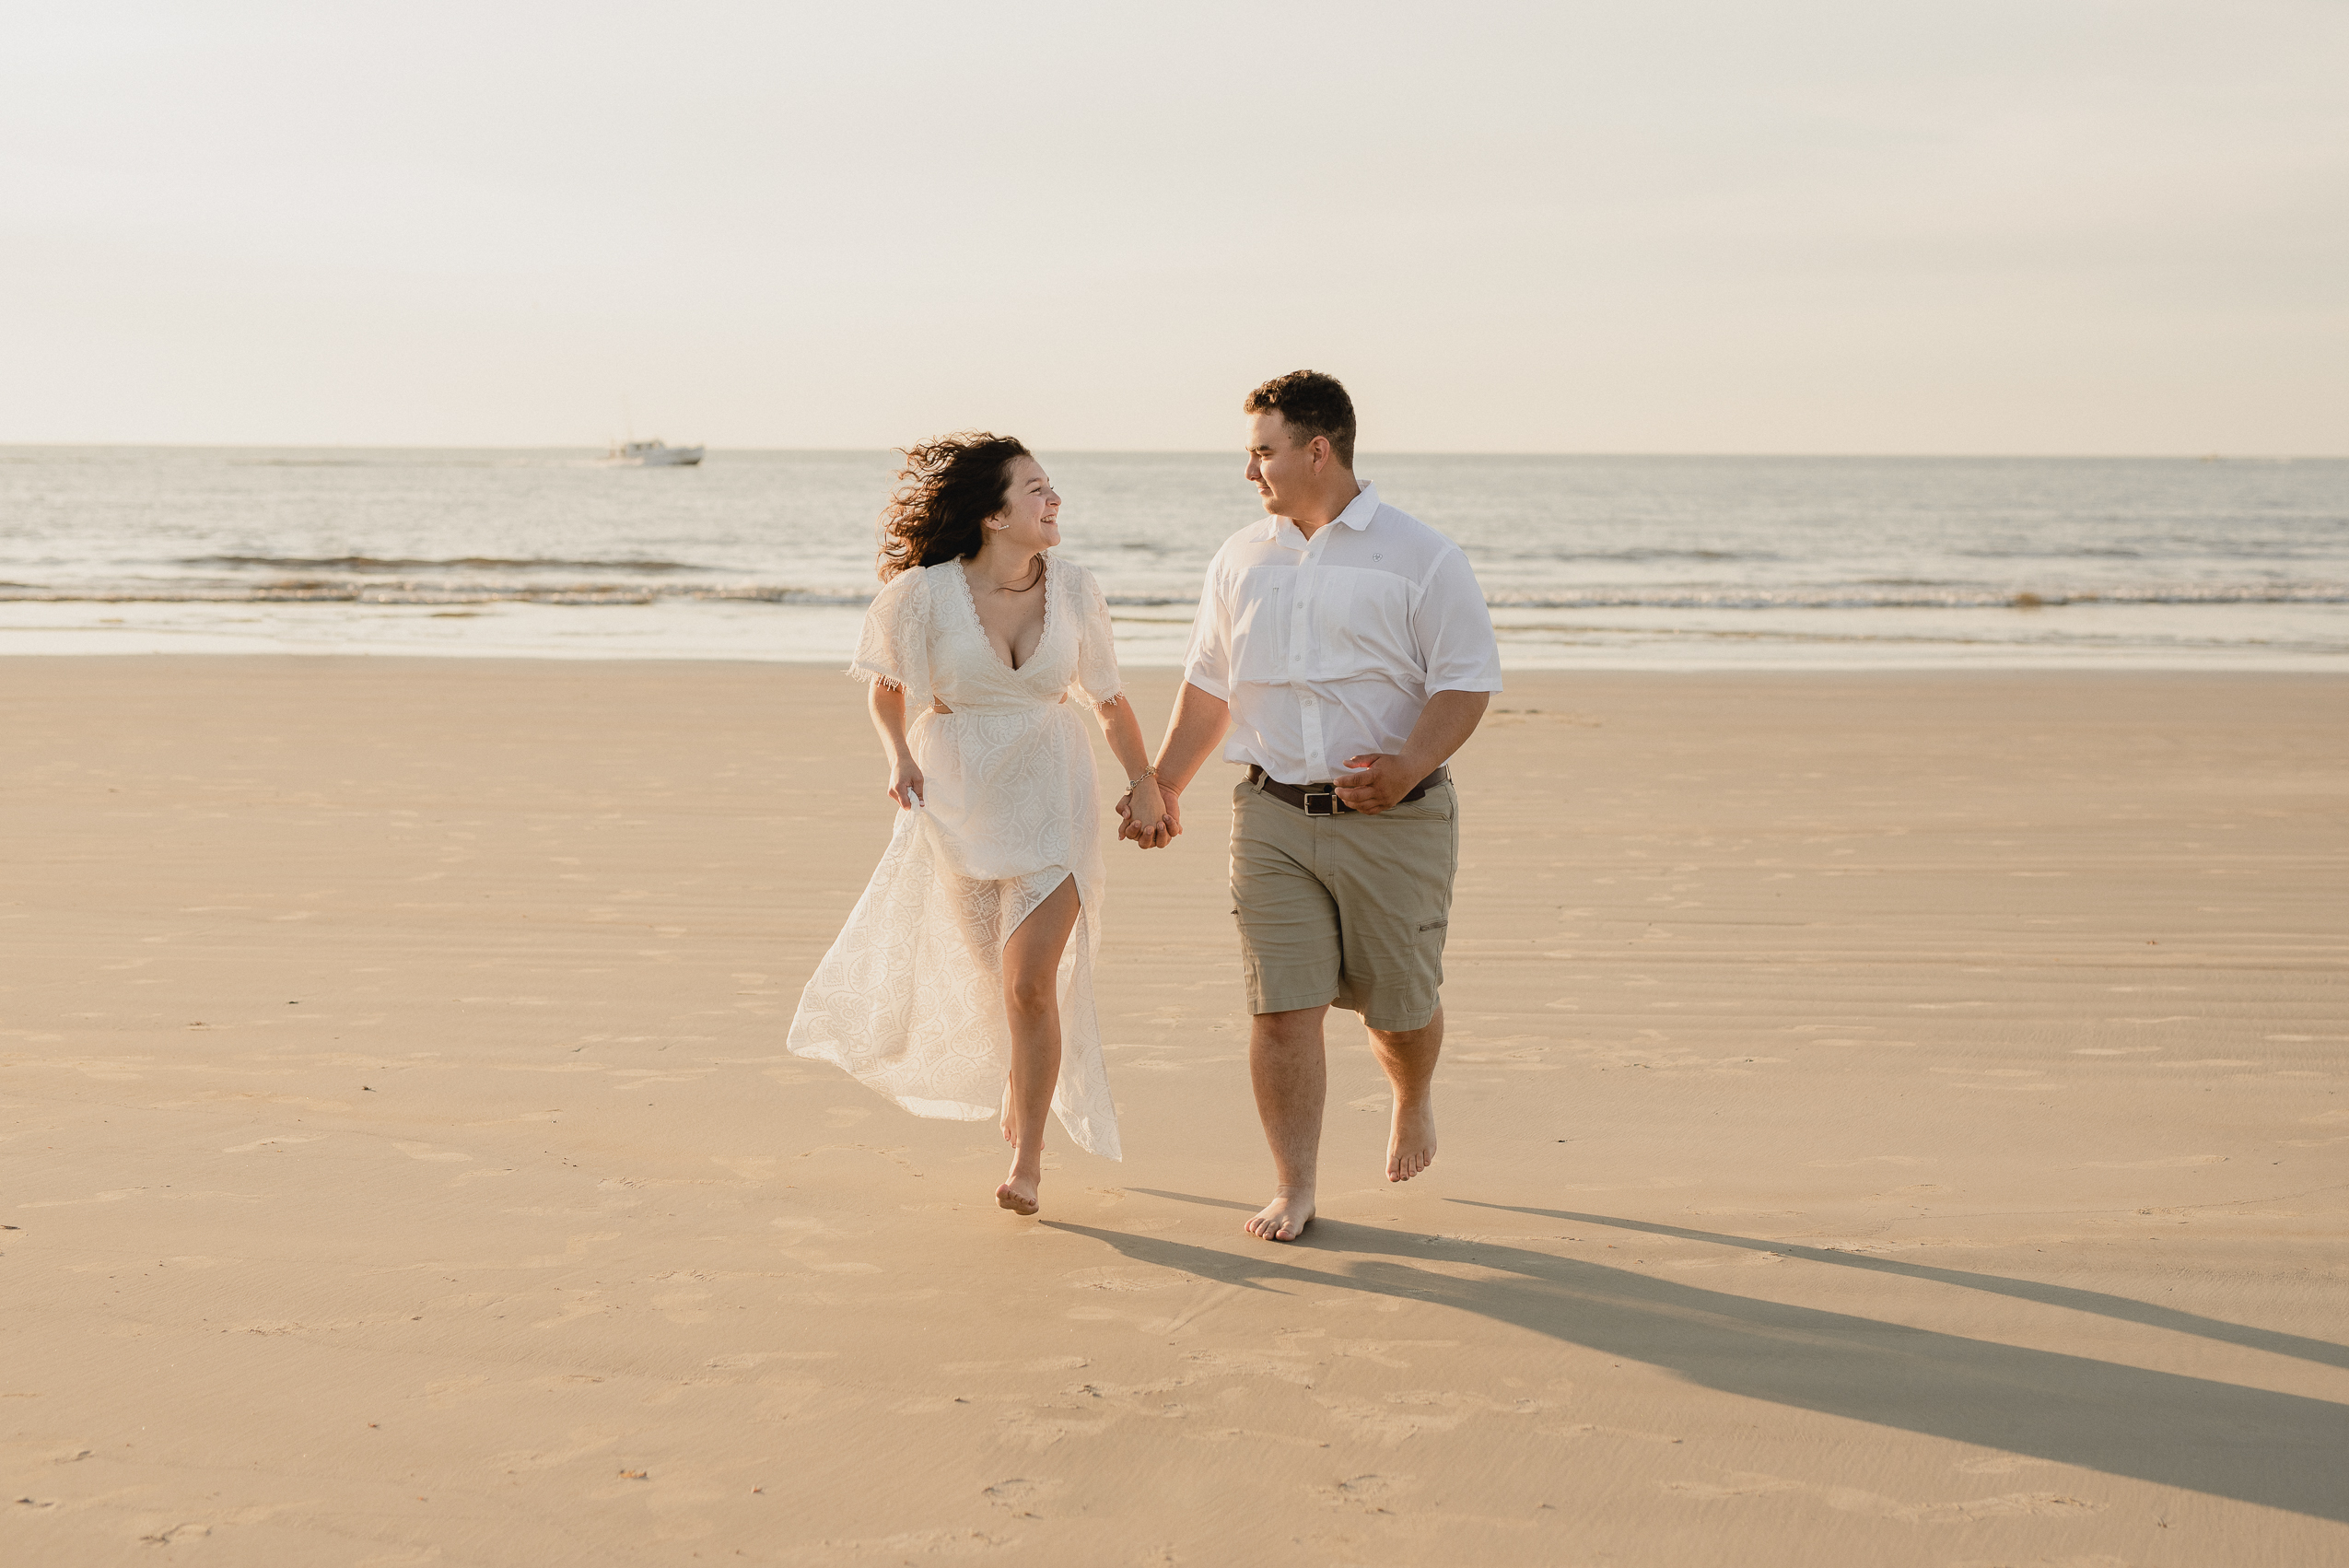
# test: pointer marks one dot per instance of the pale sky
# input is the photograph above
(1880, 226)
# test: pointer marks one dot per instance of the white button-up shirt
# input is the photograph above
(1328, 648)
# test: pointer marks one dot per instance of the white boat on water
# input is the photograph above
(655, 453)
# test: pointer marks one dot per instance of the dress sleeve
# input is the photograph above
(894, 647)
(1096, 653)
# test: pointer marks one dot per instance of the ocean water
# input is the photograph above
(1588, 562)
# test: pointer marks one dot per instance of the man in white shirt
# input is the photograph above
(1342, 653)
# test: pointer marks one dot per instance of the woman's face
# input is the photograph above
(1031, 513)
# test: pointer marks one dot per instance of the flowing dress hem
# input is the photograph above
(908, 999)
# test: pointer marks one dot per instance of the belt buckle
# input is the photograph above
(1326, 795)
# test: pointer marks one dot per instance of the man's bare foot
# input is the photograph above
(1284, 1217)
(1411, 1146)
(1018, 1192)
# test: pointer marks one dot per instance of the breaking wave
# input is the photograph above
(1920, 597)
(375, 583)
(458, 563)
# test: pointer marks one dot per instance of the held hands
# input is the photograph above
(1383, 780)
(904, 783)
(1151, 815)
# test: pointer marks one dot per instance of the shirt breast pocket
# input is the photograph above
(1260, 612)
(1362, 623)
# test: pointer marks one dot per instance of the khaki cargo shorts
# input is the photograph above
(1349, 910)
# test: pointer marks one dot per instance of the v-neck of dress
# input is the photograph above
(970, 603)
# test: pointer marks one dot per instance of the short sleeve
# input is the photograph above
(894, 647)
(1453, 630)
(1207, 664)
(1096, 650)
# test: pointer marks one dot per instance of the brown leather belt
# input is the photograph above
(1321, 800)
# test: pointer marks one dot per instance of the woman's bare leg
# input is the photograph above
(1031, 1000)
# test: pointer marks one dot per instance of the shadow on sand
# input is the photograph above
(2096, 1301)
(2276, 1450)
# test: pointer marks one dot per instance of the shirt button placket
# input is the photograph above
(1300, 667)
(1299, 640)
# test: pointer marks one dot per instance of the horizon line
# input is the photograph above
(2204, 456)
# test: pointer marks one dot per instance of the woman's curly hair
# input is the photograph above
(952, 487)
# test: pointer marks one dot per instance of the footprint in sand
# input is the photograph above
(1367, 1491)
(1020, 1496)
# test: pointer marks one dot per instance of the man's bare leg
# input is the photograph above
(1408, 1056)
(1290, 1073)
(1031, 1002)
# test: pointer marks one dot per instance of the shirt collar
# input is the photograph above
(1357, 516)
(1360, 509)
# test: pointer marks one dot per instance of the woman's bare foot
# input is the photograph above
(1411, 1146)
(1020, 1191)
(1284, 1217)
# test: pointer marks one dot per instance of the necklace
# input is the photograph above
(1034, 577)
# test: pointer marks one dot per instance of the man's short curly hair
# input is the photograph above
(1311, 405)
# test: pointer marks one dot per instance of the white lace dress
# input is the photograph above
(910, 997)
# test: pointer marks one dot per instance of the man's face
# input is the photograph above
(1279, 466)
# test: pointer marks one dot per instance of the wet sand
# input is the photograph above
(403, 1166)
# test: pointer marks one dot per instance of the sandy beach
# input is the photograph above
(402, 1165)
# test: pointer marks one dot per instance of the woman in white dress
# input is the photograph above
(954, 988)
